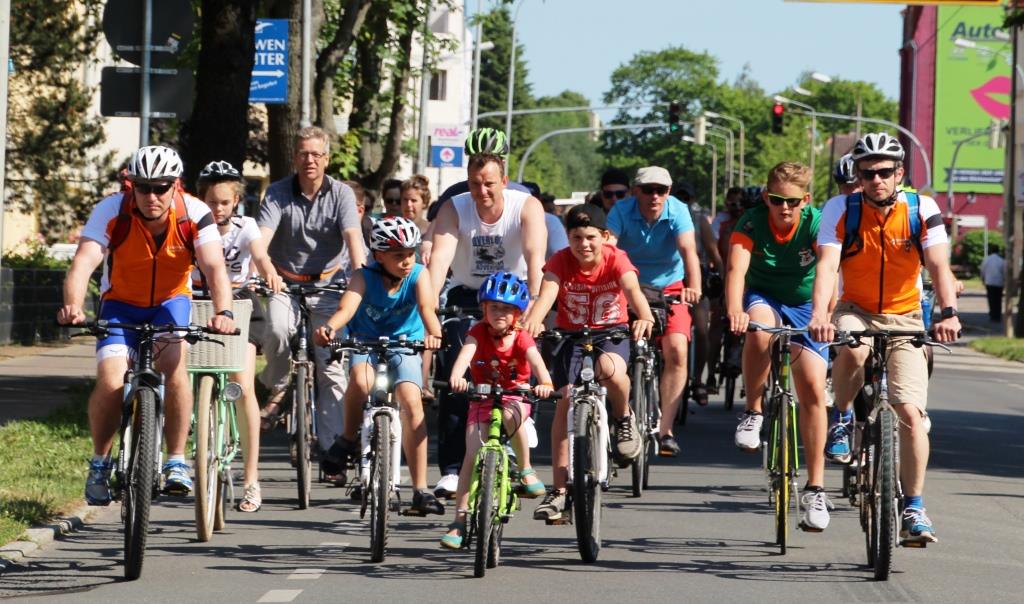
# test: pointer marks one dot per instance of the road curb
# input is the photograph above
(37, 537)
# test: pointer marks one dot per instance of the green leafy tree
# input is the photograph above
(567, 162)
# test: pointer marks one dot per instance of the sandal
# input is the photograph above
(454, 541)
(270, 416)
(530, 490)
(251, 500)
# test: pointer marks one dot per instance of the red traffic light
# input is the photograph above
(778, 109)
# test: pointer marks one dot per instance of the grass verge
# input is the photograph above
(43, 463)
(1011, 349)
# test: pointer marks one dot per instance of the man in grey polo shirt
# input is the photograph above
(309, 219)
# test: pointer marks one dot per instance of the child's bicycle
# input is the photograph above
(380, 435)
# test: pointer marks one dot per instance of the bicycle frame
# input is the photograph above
(781, 390)
(496, 439)
(595, 395)
(227, 416)
(303, 355)
(140, 374)
(380, 402)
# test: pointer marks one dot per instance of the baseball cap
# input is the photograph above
(586, 215)
(653, 175)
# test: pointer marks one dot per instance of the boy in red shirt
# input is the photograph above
(591, 281)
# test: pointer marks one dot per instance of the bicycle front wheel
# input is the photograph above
(206, 458)
(780, 474)
(639, 464)
(300, 407)
(140, 437)
(885, 502)
(380, 487)
(486, 514)
(586, 486)
(653, 400)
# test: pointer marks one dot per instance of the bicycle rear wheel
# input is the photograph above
(380, 486)
(300, 407)
(205, 463)
(885, 503)
(639, 464)
(586, 499)
(486, 512)
(140, 477)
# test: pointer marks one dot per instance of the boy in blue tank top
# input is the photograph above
(391, 297)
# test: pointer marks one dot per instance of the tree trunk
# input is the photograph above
(218, 128)
(366, 96)
(330, 58)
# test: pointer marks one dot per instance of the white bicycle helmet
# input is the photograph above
(219, 170)
(394, 233)
(154, 163)
(844, 173)
(878, 145)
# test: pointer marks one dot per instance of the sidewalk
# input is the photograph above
(34, 386)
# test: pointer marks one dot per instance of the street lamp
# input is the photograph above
(730, 147)
(814, 130)
(512, 72)
(821, 77)
(743, 137)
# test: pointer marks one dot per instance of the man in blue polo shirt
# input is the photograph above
(656, 232)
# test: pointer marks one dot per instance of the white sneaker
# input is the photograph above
(815, 505)
(748, 433)
(447, 486)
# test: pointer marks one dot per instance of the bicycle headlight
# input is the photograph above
(233, 391)
(587, 374)
(382, 381)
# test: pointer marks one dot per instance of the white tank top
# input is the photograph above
(483, 248)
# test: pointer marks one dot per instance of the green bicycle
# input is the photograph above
(216, 439)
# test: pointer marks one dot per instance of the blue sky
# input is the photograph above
(575, 44)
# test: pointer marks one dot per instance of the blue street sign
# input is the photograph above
(269, 83)
(445, 156)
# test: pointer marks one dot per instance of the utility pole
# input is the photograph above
(1013, 231)
(5, 53)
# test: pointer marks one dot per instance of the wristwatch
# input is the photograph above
(948, 313)
(226, 313)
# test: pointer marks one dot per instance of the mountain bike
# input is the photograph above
(216, 440)
(644, 369)
(137, 465)
(589, 441)
(380, 436)
(878, 488)
(779, 452)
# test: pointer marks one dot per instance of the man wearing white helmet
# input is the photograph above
(880, 262)
(147, 238)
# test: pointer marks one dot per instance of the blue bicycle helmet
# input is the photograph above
(506, 288)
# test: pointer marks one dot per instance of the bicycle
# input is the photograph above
(589, 441)
(216, 439)
(380, 435)
(137, 465)
(878, 488)
(779, 454)
(731, 366)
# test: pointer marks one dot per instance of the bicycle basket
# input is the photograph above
(212, 356)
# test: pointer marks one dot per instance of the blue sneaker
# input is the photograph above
(97, 484)
(916, 527)
(177, 478)
(837, 445)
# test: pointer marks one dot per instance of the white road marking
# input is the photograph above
(280, 595)
(341, 545)
(306, 574)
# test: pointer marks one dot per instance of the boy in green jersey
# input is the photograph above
(773, 250)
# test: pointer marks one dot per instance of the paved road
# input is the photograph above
(700, 534)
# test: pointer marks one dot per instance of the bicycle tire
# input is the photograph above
(781, 476)
(486, 511)
(866, 482)
(140, 480)
(303, 464)
(380, 487)
(653, 414)
(886, 501)
(586, 485)
(205, 462)
(639, 395)
(221, 507)
(730, 392)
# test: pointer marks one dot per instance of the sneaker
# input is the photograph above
(668, 447)
(748, 433)
(446, 487)
(916, 527)
(837, 447)
(552, 507)
(97, 484)
(177, 478)
(424, 503)
(816, 506)
(627, 438)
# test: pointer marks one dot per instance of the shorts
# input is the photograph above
(401, 367)
(480, 411)
(568, 359)
(121, 343)
(257, 319)
(790, 316)
(679, 318)
(908, 366)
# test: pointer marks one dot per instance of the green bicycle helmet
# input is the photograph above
(487, 141)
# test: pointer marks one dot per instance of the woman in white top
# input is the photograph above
(221, 187)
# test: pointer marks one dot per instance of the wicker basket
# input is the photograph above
(210, 355)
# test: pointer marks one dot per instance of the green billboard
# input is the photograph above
(972, 89)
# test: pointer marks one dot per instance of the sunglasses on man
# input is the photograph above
(158, 189)
(778, 200)
(869, 175)
(616, 193)
(392, 200)
(654, 189)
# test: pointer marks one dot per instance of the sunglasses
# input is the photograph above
(392, 200)
(157, 189)
(617, 193)
(869, 175)
(778, 200)
(654, 189)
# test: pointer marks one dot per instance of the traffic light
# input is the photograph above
(674, 109)
(778, 112)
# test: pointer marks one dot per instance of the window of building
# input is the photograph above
(439, 86)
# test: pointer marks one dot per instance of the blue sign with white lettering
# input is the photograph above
(269, 83)
(444, 156)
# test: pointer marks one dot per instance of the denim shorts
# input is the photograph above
(401, 367)
(791, 316)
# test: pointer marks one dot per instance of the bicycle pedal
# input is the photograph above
(807, 529)
(913, 543)
(563, 519)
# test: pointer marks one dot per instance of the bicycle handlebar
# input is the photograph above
(460, 312)
(852, 338)
(193, 333)
(596, 335)
(783, 330)
(383, 344)
(522, 390)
